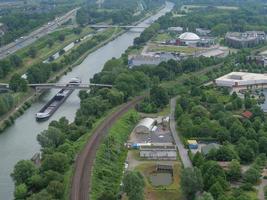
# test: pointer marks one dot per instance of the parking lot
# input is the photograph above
(160, 135)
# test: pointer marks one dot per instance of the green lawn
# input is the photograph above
(162, 37)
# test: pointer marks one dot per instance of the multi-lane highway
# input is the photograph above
(36, 34)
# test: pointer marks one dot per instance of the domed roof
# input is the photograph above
(189, 36)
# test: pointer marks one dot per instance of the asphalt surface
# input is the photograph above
(36, 34)
(182, 150)
(81, 180)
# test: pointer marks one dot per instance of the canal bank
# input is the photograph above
(19, 141)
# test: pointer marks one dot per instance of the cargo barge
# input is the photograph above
(51, 106)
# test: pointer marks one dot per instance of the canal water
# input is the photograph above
(19, 141)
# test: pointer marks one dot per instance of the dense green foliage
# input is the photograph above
(57, 154)
(6, 103)
(249, 16)
(119, 12)
(191, 182)
(133, 184)
(211, 113)
(109, 163)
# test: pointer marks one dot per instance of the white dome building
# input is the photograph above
(189, 38)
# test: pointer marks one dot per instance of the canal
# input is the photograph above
(19, 141)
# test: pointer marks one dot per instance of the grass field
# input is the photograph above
(162, 37)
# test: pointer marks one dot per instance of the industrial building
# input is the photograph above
(242, 80)
(154, 59)
(160, 151)
(202, 31)
(245, 39)
(176, 29)
(145, 125)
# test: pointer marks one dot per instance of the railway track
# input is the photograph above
(81, 180)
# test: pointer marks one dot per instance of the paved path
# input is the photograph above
(261, 189)
(182, 150)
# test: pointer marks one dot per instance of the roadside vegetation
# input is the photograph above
(24, 19)
(109, 164)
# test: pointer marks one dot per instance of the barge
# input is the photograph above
(53, 104)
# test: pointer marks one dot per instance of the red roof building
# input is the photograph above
(247, 114)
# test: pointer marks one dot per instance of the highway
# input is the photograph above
(36, 34)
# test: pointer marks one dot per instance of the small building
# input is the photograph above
(145, 125)
(159, 152)
(247, 114)
(259, 60)
(202, 31)
(206, 42)
(206, 149)
(192, 144)
(176, 29)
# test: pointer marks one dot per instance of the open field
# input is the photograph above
(161, 37)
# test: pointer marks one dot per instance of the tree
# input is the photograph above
(43, 195)
(56, 189)
(61, 37)
(216, 190)
(191, 182)
(20, 191)
(23, 170)
(252, 175)
(32, 52)
(263, 144)
(18, 84)
(51, 138)
(234, 172)
(205, 196)
(198, 159)
(57, 162)
(134, 185)
(15, 60)
(178, 110)
(159, 96)
(36, 182)
(50, 43)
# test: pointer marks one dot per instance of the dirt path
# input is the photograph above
(84, 163)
